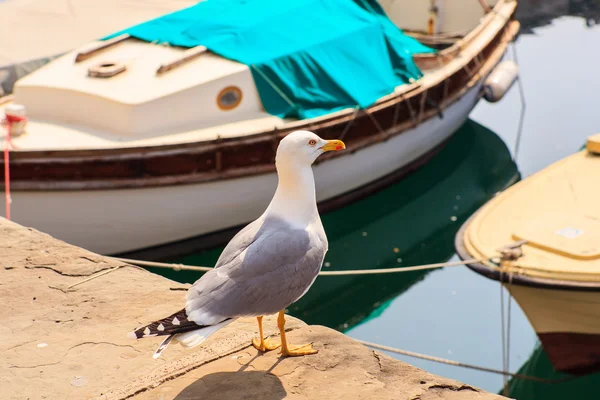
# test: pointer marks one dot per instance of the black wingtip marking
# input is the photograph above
(173, 324)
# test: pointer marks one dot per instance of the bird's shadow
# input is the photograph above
(241, 384)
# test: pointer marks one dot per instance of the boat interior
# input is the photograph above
(124, 92)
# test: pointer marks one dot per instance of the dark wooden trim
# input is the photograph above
(171, 251)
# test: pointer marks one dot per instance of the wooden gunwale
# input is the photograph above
(227, 158)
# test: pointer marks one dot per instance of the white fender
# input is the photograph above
(500, 80)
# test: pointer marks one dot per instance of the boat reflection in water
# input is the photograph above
(539, 365)
(410, 222)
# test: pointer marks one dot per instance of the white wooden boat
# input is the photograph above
(547, 226)
(115, 169)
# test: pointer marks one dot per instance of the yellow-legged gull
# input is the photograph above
(267, 266)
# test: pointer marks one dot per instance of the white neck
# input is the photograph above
(295, 198)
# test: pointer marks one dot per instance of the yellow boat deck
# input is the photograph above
(557, 211)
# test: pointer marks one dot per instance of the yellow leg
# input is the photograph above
(289, 350)
(260, 343)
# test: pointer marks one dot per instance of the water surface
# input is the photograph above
(454, 313)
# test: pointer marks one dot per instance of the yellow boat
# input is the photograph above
(541, 238)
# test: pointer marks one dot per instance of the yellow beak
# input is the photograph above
(334, 145)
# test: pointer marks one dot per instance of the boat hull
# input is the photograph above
(131, 196)
(564, 314)
(123, 220)
(567, 323)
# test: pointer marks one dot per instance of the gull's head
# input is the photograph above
(303, 148)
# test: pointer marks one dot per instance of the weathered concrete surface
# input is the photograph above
(60, 341)
(343, 369)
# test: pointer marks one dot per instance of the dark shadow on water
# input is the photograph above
(538, 13)
(235, 385)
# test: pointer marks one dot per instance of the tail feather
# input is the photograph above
(178, 327)
(196, 337)
(163, 346)
(173, 324)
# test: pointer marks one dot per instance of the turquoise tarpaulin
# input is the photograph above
(322, 55)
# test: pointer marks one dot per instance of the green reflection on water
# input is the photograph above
(538, 365)
(417, 217)
(411, 222)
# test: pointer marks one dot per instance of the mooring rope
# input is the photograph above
(509, 318)
(463, 365)
(505, 326)
(95, 276)
(503, 341)
(523, 105)
(505, 373)
(183, 267)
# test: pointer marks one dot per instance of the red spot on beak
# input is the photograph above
(338, 147)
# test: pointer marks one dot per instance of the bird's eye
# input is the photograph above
(312, 142)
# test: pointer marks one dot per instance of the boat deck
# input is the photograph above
(42, 135)
(136, 97)
(556, 211)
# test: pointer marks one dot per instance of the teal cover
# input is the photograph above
(307, 57)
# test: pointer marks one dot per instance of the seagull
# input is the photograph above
(268, 265)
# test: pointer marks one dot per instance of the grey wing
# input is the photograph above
(239, 242)
(272, 272)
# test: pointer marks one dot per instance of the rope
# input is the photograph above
(523, 104)
(464, 365)
(508, 316)
(502, 331)
(505, 337)
(95, 276)
(274, 86)
(154, 264)
(347, 127)
(440, 360)
(295, 107)
(413, 116)
(182, 267)
(399, 269)
(375, 122)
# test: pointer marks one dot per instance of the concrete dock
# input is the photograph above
(63, 336)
